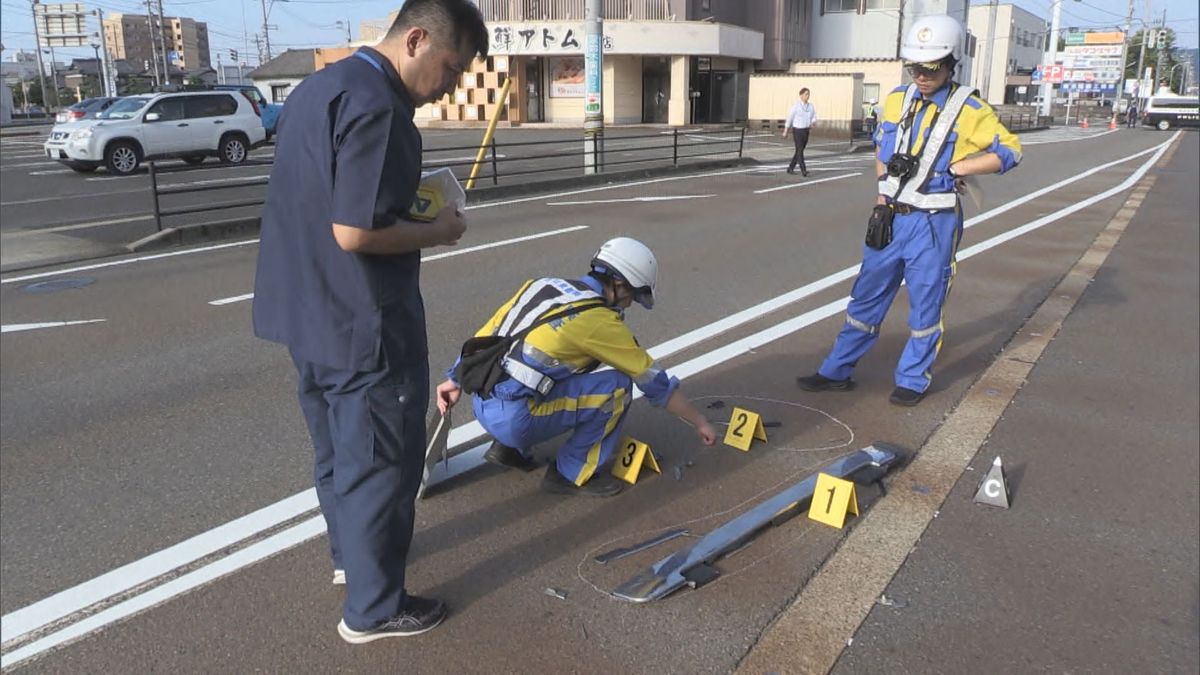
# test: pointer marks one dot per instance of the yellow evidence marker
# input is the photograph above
(744, 427)
(634, 454)
(832, 499)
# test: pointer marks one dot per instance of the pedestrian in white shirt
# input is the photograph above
(800, 119)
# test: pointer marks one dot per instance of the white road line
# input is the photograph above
(19, 327)
(127, 261)
(811, 182)
(1037, 140)
(77, 226)
(631, 199)
(42, 200)
(450, 160)
(440, 256)
(314, 526)
(52, 172)
(65, 603)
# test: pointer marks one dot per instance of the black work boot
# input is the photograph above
(906, 397)
(818, 382)
(509, 458)
(602, 484)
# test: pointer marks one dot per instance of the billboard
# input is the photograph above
(62, 25)
(1095, 38)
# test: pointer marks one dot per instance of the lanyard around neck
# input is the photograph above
(373, 62)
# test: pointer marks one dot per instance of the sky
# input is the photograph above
(311, 23)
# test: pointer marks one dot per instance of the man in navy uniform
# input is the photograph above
(338, 283)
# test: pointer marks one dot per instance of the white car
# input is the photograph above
(190, 126)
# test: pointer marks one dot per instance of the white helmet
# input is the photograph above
(933, 38)
(630, 260)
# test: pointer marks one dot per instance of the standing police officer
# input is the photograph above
(933, 133)
(551, 385)
(337, 282)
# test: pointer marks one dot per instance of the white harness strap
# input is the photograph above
(542, 296)
(911, 193)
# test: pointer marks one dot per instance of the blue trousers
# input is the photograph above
(368, 430)
(922, 256)
(591, 406)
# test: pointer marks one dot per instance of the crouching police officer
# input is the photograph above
(550, 386)
(934, 133)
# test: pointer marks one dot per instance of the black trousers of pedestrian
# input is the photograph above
(800, 138)
(368, 430)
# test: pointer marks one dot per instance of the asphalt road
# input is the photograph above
(44, 196)
(165, 419)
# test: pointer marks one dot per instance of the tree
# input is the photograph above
(33, 88)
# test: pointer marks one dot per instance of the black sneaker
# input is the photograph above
(906, 397)
(818, 382)
(419, 615)
(510, 458)
(599, 485)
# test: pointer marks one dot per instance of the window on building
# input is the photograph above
(279, 92)
(841, 5)
(883, 4)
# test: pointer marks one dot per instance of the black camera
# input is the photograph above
(902, 165)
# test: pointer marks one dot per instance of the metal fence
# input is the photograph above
(503, 161)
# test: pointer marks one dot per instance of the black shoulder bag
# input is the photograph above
(481, 363)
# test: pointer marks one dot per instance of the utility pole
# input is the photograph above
(1052, 58)
(593, 74)
(1162, 49)
(110, 80)
(990, 50)
(1125, 56)
(266, 31)
(162, 40)
(258, 50)
(37, 47)
(153, 48)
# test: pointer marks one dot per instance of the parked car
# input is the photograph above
(88, 108)
(268, 111)
(1166, 111)
(190, 126)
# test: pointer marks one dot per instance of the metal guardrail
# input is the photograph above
(657, 149)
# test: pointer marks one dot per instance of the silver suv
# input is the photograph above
(190, 126)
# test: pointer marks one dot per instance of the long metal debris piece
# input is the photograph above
(618, 553)
(671, 573)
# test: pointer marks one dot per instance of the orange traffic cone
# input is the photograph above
(1084, 124)
(1112, 123)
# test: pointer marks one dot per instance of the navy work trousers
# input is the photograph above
(368, 430)
(800, 140)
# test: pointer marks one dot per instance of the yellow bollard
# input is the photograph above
(491, 129)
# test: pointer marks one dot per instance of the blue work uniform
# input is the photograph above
(924, 242)
(590, 405)
(349, 153)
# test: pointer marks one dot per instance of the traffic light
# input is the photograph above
(233, 54)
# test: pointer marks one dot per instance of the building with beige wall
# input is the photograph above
(132, 37)
(1017, 42)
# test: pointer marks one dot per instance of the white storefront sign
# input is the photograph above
(678, 38)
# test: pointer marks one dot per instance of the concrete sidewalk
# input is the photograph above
(1094, 568)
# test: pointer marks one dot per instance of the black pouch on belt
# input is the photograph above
(879, 227)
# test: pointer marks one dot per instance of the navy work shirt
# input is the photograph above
(348, 152)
